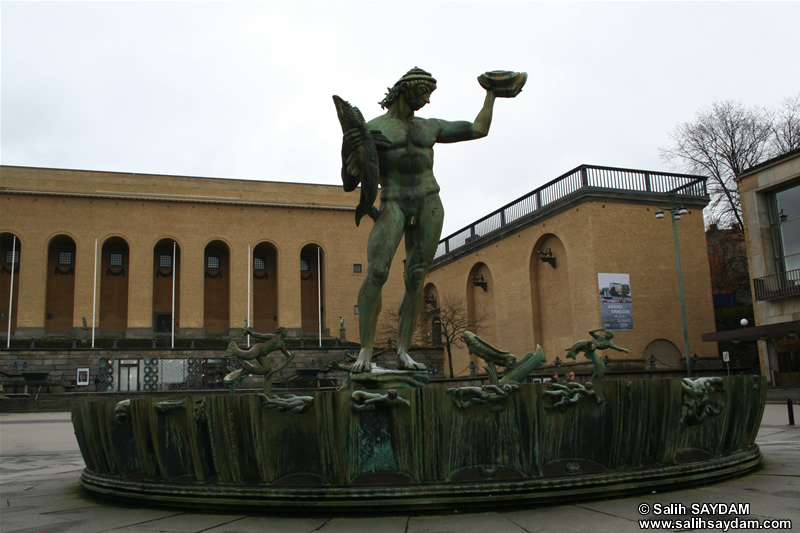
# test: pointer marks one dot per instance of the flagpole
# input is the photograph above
(174, 275)
(14, 262)
(319, 294)
(94, 293)
(249, 291)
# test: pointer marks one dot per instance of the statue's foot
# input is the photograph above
(404, 362)
(362, 364)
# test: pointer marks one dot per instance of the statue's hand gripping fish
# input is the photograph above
(359, 157)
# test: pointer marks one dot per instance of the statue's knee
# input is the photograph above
(415, 275)
(378, 275)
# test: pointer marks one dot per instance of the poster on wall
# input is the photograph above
(616, 307)
(83, 377)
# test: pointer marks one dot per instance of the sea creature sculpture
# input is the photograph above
(697, 402)
(493, 356)
(571, 393)
(524, 367)
(287, 403)
(260, 352)
(465, 397)
(601, 340)
(359, 157)
(368, 401)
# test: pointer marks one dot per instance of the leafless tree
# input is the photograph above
(786, 127)
(452, 318)
(723, 141)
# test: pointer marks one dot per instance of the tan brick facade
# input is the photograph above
(528, 301)
(39, 205)
(532, 303)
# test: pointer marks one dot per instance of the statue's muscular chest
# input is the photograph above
(410, 134)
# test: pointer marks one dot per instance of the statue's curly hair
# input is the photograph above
(394, 92)
(412, 78)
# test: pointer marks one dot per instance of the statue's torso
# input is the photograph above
(406, 166)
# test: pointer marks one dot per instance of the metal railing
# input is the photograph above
(560, 190)
(778, 285)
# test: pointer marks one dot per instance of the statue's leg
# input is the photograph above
(599, 367)
(381, 247)
(422, 240)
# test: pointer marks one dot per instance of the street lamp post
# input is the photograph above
(676, 210)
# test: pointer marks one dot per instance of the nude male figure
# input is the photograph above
(410, 206)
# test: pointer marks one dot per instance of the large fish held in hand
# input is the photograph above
(360, 157)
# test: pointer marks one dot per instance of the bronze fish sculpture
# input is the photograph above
(487, 352)
(359, 157)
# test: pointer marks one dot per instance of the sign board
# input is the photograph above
(616, 307)
(82, 377)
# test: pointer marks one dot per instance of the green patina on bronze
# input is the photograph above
(395, 151)
(601, 340)
(426, 451)
(260, 352)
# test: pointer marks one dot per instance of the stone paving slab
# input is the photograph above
(40, 493)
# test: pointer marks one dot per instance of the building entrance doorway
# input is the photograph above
(129, 375)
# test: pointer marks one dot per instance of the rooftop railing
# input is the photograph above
(778, 285)
(561, 190)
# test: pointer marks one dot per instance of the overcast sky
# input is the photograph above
(243, 89)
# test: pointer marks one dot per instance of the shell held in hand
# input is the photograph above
(504, 83)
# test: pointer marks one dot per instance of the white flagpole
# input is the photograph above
(319, 294)
(94, 292)
(249, 290)
(174, 275)
(14, 262)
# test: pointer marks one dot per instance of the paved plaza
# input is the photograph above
(40, 467)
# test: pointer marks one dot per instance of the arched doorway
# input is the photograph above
(114, 276)
(480, 304)
(60, 294)
(10, 247)
(265, 287)
(551, 306)
(665, 352)
(216, 289)
(166, 285)
(312, 289)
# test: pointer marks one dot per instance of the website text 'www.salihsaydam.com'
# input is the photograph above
(719, 516)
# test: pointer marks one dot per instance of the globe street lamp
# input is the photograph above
(677, 210)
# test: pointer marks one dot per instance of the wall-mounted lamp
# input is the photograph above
(479, 282)
(546, 256)
(430, 300)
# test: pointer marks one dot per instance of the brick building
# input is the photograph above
(128, 252)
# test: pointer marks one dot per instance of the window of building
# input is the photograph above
(12, 256)
(212, 262)
(64, 258)
(305, 264)
(165, 261)
(357, 268)
(785, 223)
(115, 259)
(260, 264)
